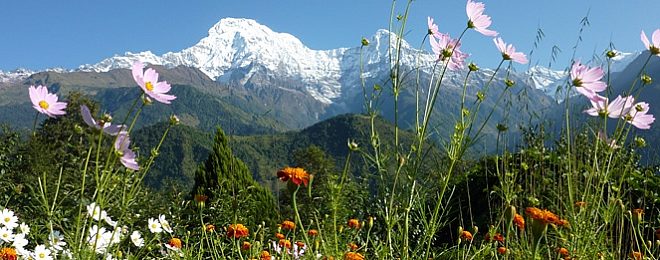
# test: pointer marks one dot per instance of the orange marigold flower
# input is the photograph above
(354, 223)
(545, 216)
(466, 235)
(637, 215)
(636, 255)
(201, 198)
(352, 246)
(353, 256)
(296, 175)
(265, 255)
(501, 250)
(8, 253)
(562, 251)
(246, 245)
(237, 231)
(210, 228)
(175, 242)
(279, 235)
(288, 225)
(519, 221)
(580, 204)
(300, 244)
(285, 243)
(497, 237)
(313, 232)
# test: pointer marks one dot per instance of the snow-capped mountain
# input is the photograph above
(15, 75)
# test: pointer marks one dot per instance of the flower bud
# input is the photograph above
(78, 129)
(509, 83)
(106, 118)
(174, 120)
(352, 145)
(481, 96)
(146, 100)
(640, 142)
(473, 67)
(502, 128)
(365, 42)
(646, 79)
(611, 54)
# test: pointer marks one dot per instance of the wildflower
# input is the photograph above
(587, 80)
(288, 225)
(296, 175)
(163, 223)
(137, 239)
(8, 219)
(501, 250)
(127, 155)
(46, 103)
(284, 243)
(148, 81)
(299, 249)
(6, 234)
(8, 253)
(509, 51)
(433, 28)
(352, 246)
(95, 212)
(19, 241)
(56, 240)
(41, 253)
(639, 117)
(154, 226)
(99, 238)
(102, 125)
(653, 47)
(610, 142)
(448, 50)
(246, 246)
(562, 251)
(210, 228)
(174, 244)
(496, 237)
(237, 231)
(600, 106)
(466, 235)
(519, 221)
(477, 20)
(312, 232)
(24, 228)
(545, 216)
(279, 235)
(353, 256)
(353, 223)
(636, 255)
(265, 255)
(201, 199)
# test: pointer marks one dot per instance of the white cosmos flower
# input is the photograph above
(8, 219)
(115, 236)
(136, 238)
(110, 222)
(154, 226)
(163, 222)
(95, 212)
(24, 228)
(6, 234)
(56, 240)
(41, 253)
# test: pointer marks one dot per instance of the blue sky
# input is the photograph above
(39, 34)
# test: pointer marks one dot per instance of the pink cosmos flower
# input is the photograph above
(653, 47)
(587, 80)
(447, 48)
(638, 116)
(148, 81)
(127, 155)
(610, 142)
(615, 109)
(433, 28)
(46, 103)
(107, 127)
(509, 52)
(477, 20)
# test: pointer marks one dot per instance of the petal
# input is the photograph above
(596, 86)
(487, 32)
(656, 38)
(645, 40)
(138, 73)
(162, 87)
(150, 76)
(87, 116)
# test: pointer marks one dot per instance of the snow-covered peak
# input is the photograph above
(622, 60)
(15, 75)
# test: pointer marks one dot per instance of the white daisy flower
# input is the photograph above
(41, 253)
(154, 226)
(24, 228)
(95, 212)
(163, 222)
(6, 234)
(56, 241)
(98, 239)
(136, 238)
(8, 219)
(19, 242)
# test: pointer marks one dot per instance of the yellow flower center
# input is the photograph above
(149, 86)
(42, 255)
(43, 104)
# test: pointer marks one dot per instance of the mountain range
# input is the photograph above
(251, 80)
